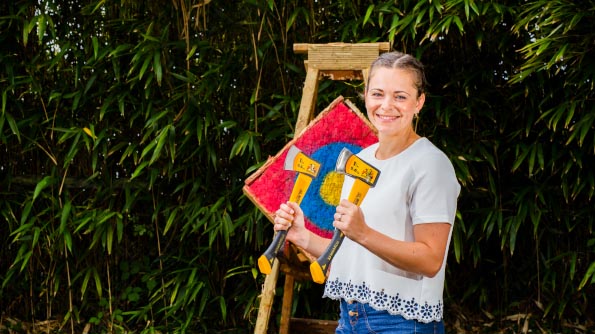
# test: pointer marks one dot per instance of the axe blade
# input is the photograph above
(352, 165)
(298, 161)
(307, 169)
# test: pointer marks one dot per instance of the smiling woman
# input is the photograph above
(392, 264)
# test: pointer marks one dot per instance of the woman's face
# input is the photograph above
(391, 100)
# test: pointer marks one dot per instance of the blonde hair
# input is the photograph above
(402, 61)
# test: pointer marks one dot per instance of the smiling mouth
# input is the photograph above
(387, 118)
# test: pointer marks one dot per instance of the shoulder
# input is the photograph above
(425, 153)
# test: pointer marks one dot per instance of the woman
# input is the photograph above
(389, 271)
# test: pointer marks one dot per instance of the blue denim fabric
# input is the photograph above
(357, 318)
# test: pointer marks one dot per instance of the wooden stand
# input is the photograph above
(334, 61)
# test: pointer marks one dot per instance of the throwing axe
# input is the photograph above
(307, 169)
(365, 176)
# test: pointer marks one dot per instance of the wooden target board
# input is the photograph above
(340, 125)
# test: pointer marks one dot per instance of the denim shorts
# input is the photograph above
(358, 318)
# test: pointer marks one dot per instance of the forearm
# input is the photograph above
(311, 243)
(418, 257)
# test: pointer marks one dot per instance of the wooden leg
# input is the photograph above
(308, 100)
(266, 300)
(365, 76)
(287, 303)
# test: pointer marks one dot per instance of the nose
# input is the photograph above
(386, 103)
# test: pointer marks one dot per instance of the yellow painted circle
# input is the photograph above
(330, 189)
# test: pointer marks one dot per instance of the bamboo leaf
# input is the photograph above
(90, 83)
(85, 282)
(25, 260)
(144, 68)
(170, 221)
(98, 285)
(41, 185)
(161, 139)
(36, 234)
(532, 158)
(459, 24)
(369, 12)
(223, 307)
(41, 27)
(4, 100)
(157, 66)
(139, 170)
(13, 125)
(119, 228)
(109, 238)
(520, 159)
(27, 28)
(64, 216)
(291, 20)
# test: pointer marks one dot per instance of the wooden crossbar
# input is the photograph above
(341, 56)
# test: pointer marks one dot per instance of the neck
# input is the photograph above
(389, 147)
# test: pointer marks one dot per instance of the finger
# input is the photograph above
(281, 221)
(282, 225)
(289, 207)
(284, 214)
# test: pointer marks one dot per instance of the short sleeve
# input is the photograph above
(434, 191)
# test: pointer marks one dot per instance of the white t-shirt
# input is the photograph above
(416, 186)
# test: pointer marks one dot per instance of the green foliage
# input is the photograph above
(127, 130)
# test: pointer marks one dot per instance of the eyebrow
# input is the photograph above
(382, 90)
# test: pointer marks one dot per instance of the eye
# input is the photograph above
(400, 97)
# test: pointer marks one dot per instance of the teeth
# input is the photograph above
(387, 117)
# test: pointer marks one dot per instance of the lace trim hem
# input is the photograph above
(379, 300)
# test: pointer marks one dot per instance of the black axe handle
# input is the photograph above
(319, 268)
(265, 261)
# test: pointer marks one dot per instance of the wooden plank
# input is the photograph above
(342, 75)
(365, 73)
(341, 57)
(308, 103)
(303, 47)
(286, 305)
(266, 300)
(313, 326)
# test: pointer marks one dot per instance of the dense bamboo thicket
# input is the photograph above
(127, 129)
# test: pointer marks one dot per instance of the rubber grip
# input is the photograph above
(265, 261)
(319, 268)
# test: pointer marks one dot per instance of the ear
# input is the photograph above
(420, 102)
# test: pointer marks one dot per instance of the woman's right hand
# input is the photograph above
(290, 217)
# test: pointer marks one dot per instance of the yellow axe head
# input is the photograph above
(365, 176)
(307, 169)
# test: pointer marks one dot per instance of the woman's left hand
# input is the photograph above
(350, 220)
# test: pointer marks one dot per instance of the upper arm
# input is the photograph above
(435, 237)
